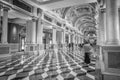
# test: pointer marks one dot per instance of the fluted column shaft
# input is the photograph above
(112, 22)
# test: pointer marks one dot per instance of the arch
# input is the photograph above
(87, 17)
(73, 14)
(86, 25)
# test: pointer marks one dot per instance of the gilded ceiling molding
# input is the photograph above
(79, 16)
(90, 23)
(59, 11)
(77, 11)
(85, 17)
(42, 2)
(86, 25)
(87, 29)
(65, 11)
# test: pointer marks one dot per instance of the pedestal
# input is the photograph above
(111, 62)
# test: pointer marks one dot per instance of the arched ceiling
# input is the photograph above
(80, 16)
(55, 4)
(79, 13)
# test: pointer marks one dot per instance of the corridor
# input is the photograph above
(59, 39)
(47, 66)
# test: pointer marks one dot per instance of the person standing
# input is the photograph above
(72, 46)
(87, 49)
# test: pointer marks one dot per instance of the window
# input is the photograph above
(22, 5)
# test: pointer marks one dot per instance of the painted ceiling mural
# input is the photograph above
(43, 2)
(80, 16)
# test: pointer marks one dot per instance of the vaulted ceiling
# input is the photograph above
(81, 17)
(79, 13)
(55, 4)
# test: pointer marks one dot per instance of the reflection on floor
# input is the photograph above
(48, 66)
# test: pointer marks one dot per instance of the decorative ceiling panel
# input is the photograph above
(43, 2)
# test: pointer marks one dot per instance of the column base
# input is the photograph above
(111, 60)
(112, 43)
(4, 42)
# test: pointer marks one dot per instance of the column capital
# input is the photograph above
(101, 3)
(1, 6)
(34, 19)
(5, 8)
(102, 10)
(54, 27)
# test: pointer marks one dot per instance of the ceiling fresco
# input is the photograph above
(43, 2)
(80, 16)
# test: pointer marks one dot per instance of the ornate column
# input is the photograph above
(40, 35)
(73, 38)
(59, 36)
(32, 31)
(40, 29)
(69, 37)
(112, 22)
(40, 32)
(28, 31)
(33, 27)
(54, 40)
(5, 25)
(31, 35)
(101, 27)
(63, 37)
(0, 15)
(110, 51)
(54, 36)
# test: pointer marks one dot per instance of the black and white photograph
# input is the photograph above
(59, 39)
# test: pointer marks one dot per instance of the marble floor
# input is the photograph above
(47, 66)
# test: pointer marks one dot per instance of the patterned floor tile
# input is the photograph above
(10, 72)
(74, 66)
(73, 73)
(3, 70)
(50, 78)
(67, 76)
(22, 75)
(53, 68)
(27, 69)
(79, 72)
(88, 69)
(36, 77)
(52, 73)
(59, 77)
(65, 70)
(44, 75)
(83, 64)
(84, 78)
(52, 65)
(18, 67)
(47, 69)
(63, 66)
(3, 77)
(39, 71)
(59, 71)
